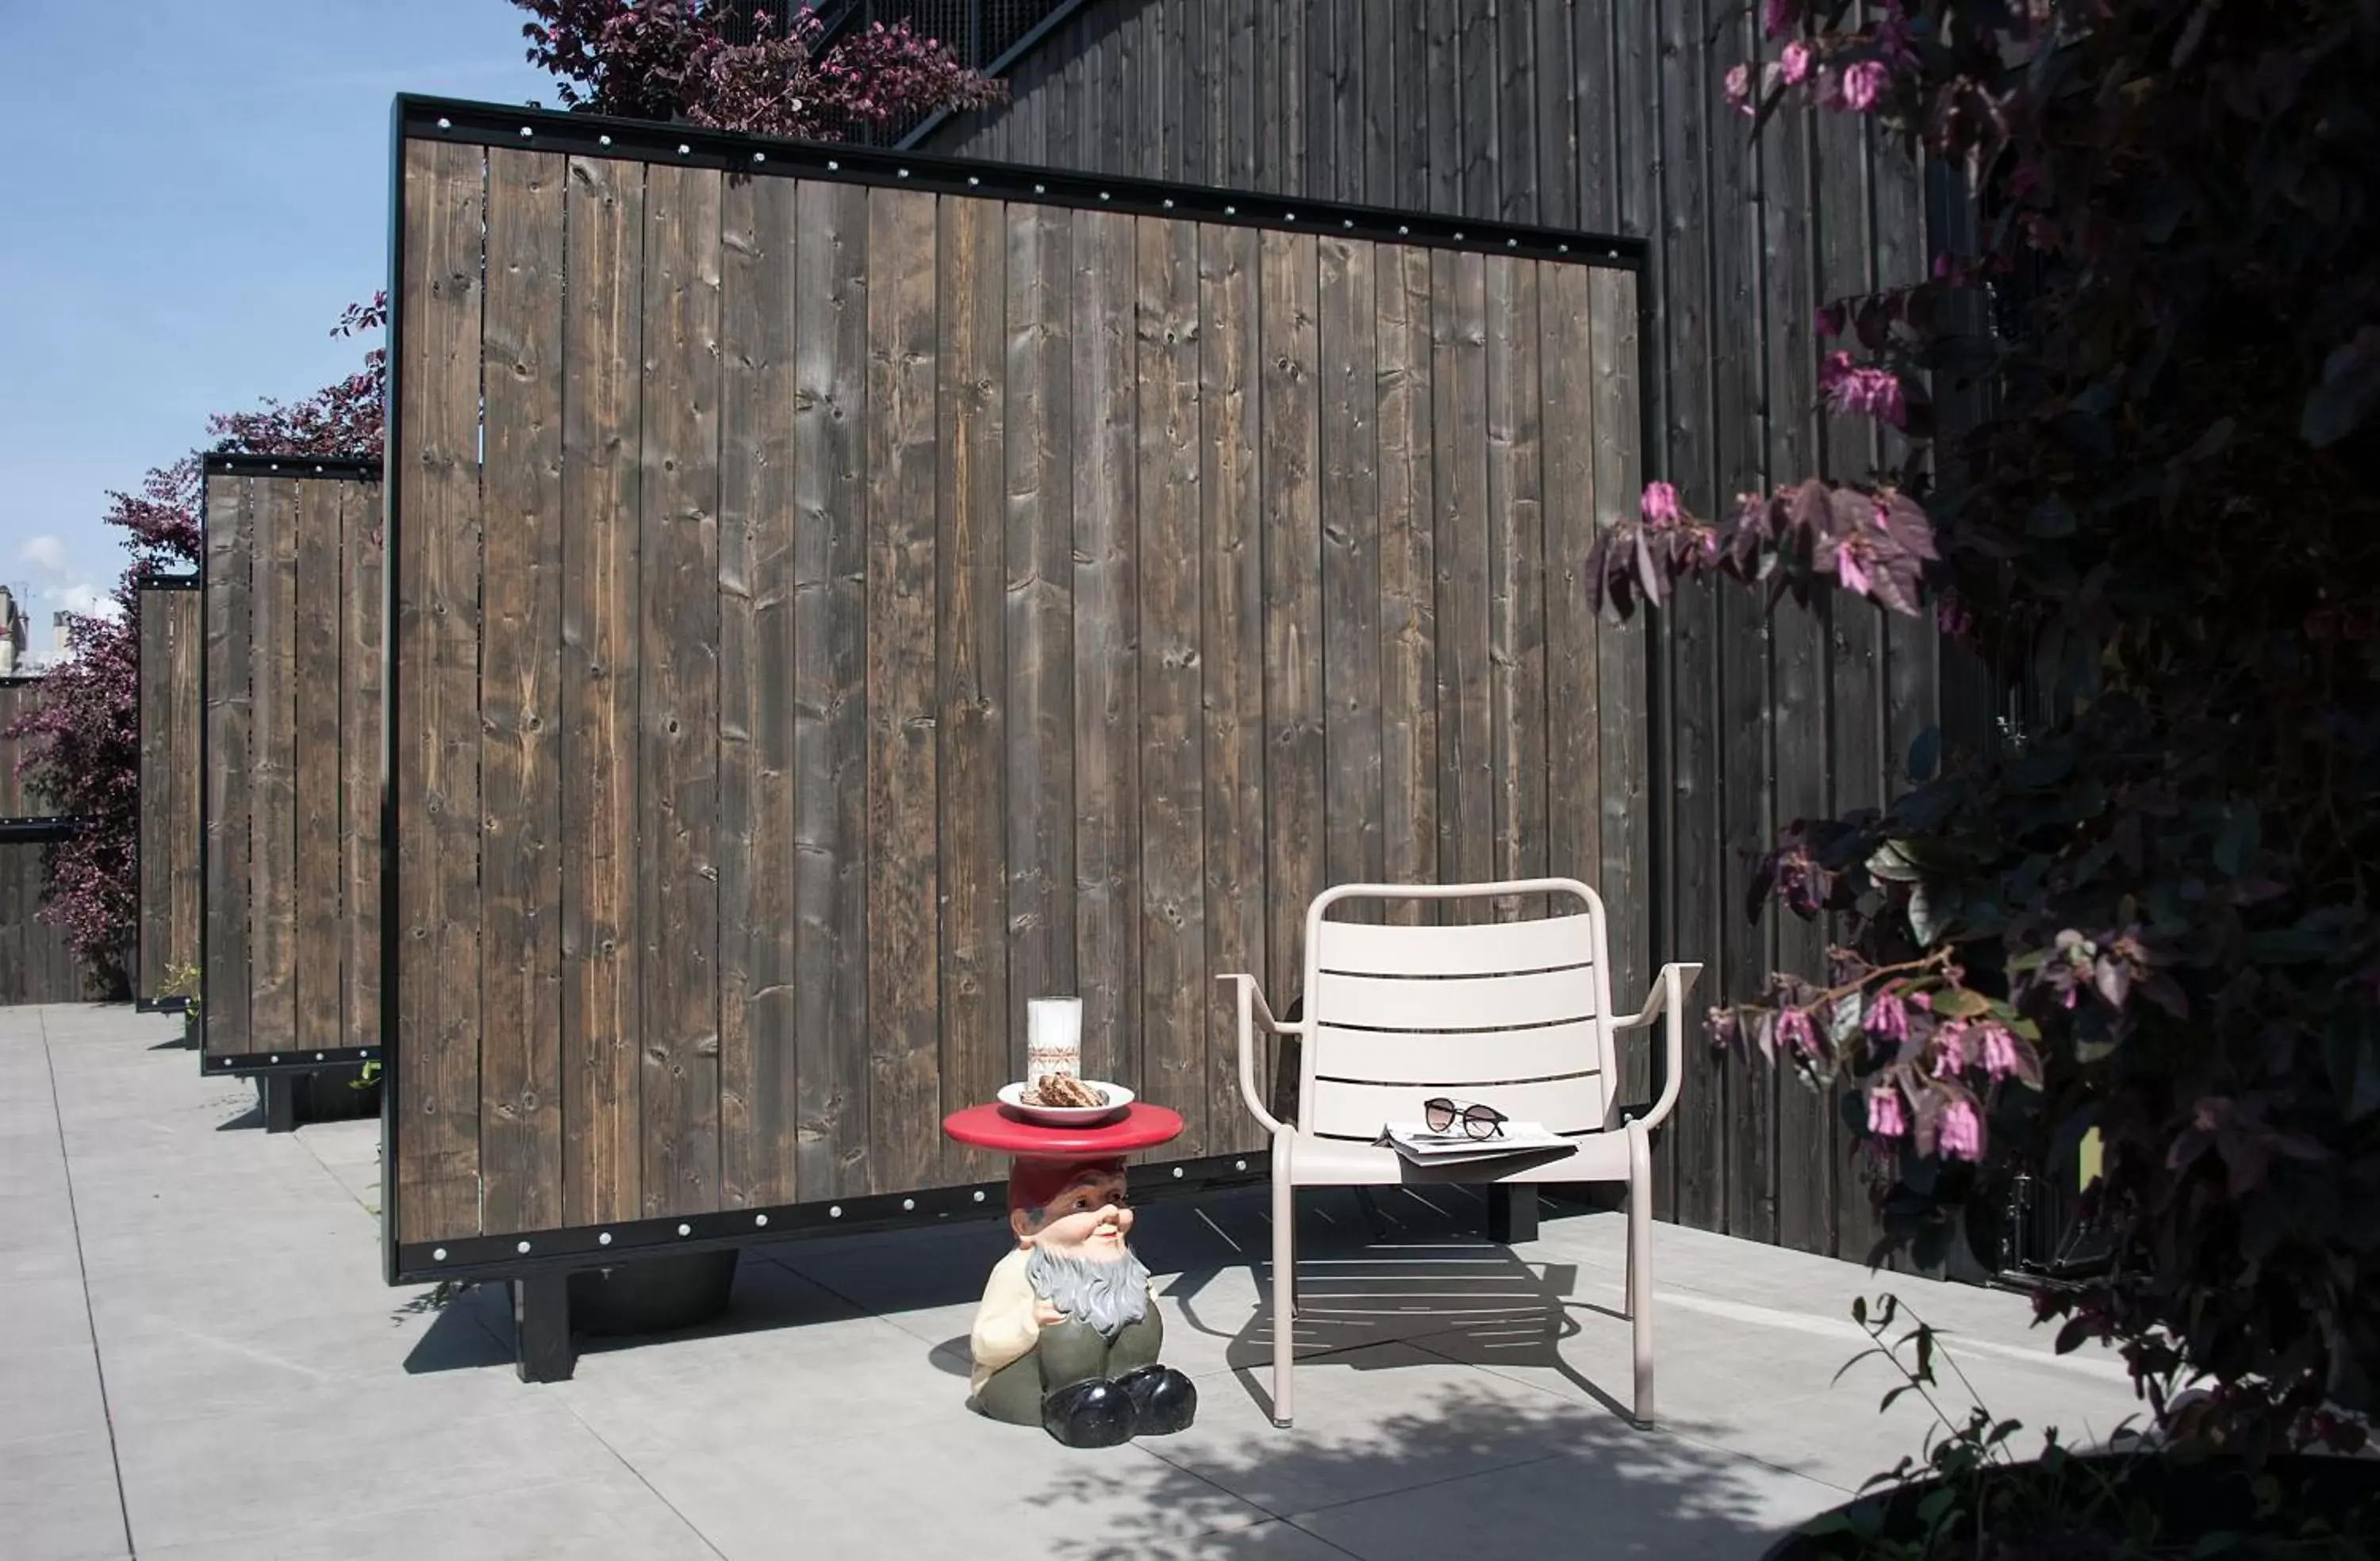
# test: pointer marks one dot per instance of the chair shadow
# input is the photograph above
(1412, 1271)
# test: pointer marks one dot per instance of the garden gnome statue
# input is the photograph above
(1067, 1336)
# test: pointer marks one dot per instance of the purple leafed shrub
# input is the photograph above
(83, 748)
(2153, 912)
(673, 59)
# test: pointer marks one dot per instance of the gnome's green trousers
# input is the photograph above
(1067, 1352)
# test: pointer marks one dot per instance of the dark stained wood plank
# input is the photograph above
(1106, 711)
(187, 715)
(1459, 430)
(1175, 996)
(1348, 445)
(1516, 560)
(1551, 73)
(1387, 33)
(1291, 519)
(601, 806)
(1241, 115)
(1595, 172)
(1573, 756)
(434, 752)
(154, 785)
(315, 699)
(903, 881)
(1690, 794)
(1233, 649)
(230, 707)
(1518, 81)
(272, 772)
(972, 675)
(1805, 1118)
(758, 1104)
(1856, 661)
(830, 840)
(1480, 191)
(1622, 731)
(677, 747)
(1442, 117)
(1039, 614)
(361, 673)
(520, 693)
(1740, 393)
(1408, 576)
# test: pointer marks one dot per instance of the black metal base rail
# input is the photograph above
(239, 1065)
(159, 582)
(549, 1252)
(346, 468)
(588, 135)
(161, 1005)
(38, 830)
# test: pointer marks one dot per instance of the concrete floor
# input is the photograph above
(199, 1362)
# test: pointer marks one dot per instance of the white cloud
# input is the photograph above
(43, 553)
(86, 598)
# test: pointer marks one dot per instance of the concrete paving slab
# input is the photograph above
(223, 1293)
(58, 1499)
(543, 1522)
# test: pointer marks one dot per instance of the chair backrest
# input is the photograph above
(1513, 1014)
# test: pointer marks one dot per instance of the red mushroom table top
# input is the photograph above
(994, 1127)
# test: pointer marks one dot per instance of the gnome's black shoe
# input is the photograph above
(1166, 1400)
(1096, 1413)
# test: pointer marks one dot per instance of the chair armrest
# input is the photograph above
(1666, 1000)
(1254, 1011)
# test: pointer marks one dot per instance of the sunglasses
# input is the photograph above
(1479, 1121)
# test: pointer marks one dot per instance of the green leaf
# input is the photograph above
(1958, 1002)
(1924, 919)
(2235, 845)
(1936, 1503)
(2215, 1544)
(1925, 753)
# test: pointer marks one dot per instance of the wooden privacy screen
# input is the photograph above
(291, 968)
(880, 605)
(168, 917)
(37, 963)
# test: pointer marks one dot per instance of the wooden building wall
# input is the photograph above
(292, 733)
(37, 963)
(170, 628)
(877, 606)
(1607, 115)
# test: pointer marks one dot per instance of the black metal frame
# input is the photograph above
(524, 1254)
(539, 1256)
(588, 135)
(217, 463)
(158, 580)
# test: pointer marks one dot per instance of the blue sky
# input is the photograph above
(190, 191)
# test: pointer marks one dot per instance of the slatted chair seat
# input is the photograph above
(1515, 1015)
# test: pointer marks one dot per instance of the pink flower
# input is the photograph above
(1779, 16)
(1863, 389)
(1887, 1019)
(1885, 1116)
(1660, 503)
(1949, 1049)
(1950, 616)
(1794, 1030)
(1998, 1050)
(1795, 62)
(1962, 1132)
(1862, 84)
(1848, 567)
(1738, 88)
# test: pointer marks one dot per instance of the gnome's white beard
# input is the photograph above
(1106, 1295)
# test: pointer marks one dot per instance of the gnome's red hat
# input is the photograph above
(1032, 1183)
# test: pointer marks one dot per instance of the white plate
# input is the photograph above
(1118, 1098)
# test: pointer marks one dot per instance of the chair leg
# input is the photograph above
(1284, 1290)
(1640, 1268)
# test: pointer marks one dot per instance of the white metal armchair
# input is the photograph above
(1514, 1015)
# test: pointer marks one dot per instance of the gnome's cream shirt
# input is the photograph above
(1005, 1327)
